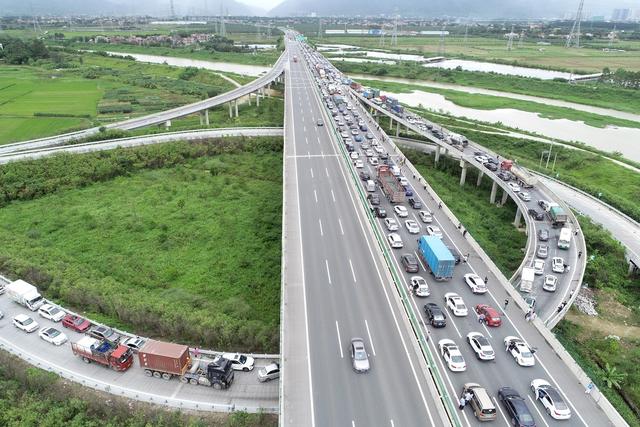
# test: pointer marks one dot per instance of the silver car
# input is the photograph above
(359, 356)
(269, 372)
(543, 251)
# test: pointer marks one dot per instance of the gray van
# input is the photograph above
(481, 404)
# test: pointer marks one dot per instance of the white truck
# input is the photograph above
(526, 279)
(25, 294)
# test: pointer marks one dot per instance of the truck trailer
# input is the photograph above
(118, 358)
(558, 216)
(166, 360)
(25, 294)
(390, 185)
(526, 179)
(527, 278)
(437, 257)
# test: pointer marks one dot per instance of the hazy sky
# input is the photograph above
(264, 4)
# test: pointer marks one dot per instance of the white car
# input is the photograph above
(419, 286)
(369, 153)
(52, 336)
(359, 164)
(240, 362)
(524, 196)
(519, 350)
(455, 304)
(550, 283)
(515, 187)
(24, 322)
(426, 216)
(557, 265)
(373, 161)
(395, 241)
(51, 312)
(538, 266)
(481, 346)
(481, 159)
(432, 230)
(403, 181)
(476, 284)
(392, 224)
(412, 226)
(401, 211)
(354, 155)
(551, 399)
(451, 354)
(378, 149)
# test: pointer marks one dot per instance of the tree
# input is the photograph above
(612, 377)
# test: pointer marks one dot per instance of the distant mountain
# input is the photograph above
(439, 8)
(125, 7)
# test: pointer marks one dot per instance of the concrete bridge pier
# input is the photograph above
(390, 123)
(505, 196)
(479, 181)
(438, 153)
(518, 218)
(204, 117)
(494, 190)
(258, 93)
(397, 129)
(230, 112)
(236, 104)
(463, 175)
(167, 124)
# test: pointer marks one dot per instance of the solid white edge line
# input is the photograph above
(537, 410)
(320, 224)
(339, 340)
(373, 348)
(353, 273)
(326, 262)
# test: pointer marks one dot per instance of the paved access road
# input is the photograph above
(246, 393)
(347, 290)
(503, 371)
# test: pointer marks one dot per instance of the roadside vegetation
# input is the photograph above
(606, 347)
(489, 102)
(31, 397)
(178, 241)
(589, 93)
(471, 206)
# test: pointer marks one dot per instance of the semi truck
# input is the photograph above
(564, 240)
(558, 216)
(526, 179)
(390, 185)
(119, 357)
(527, 278)
(25, 294)
(166, 360)
(437, 257)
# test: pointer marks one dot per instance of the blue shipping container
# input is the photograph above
(436, 255)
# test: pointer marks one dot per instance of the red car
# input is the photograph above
(77, 323)
(491, 315)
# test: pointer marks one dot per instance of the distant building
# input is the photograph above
(621, 15)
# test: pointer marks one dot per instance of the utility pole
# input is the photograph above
(223, 30)
(394, 35)
(441, 47)
(521, 39)
(510, 42)
(574, 35)
(466, 35)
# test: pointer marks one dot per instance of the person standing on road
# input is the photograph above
(481, 318)
(468, 396)
(462, 403)
(486, 279)
(464, 233)
(527, 315)
(506, 303)
(579, 254)
(440, 205)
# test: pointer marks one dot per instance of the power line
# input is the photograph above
(574, 35)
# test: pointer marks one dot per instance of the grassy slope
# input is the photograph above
(486, 102)
(588, 93)
(178, 244)
(590, 59)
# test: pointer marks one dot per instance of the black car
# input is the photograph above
(538, 216)
(505, 176)
(491, 166)
(516, 407)
(415, 203)
(410, 263)
(435, 315)
(379, 212)
(374, 199)
(456, 254)
(365, 176)
(543, 235)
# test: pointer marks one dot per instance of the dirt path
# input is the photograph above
(605, 327)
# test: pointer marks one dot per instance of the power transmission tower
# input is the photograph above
(574, 35)
(173, 10)
(223, 30)
(441, 47)
(394, 35)
(382, 38)
(206, 8)
(521, 39)
(319, 28)
(612, 36)
(466, 35)
(510, 42)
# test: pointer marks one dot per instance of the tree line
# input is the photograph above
(18, 52)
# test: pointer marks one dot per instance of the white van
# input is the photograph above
(371, 186)
(564, 241)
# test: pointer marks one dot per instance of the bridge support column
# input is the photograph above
(494, 190)
(390, 123)
(479, 181)
(249, 98)
(463, 175)
(236, 104)
(167, 124)
(516, 222)
(505, 195)
(437, 153)
(206, 117)
(397, 128)
(258, 97)
(230, 113)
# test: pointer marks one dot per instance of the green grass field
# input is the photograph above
(189, 251)
(590, 59)
(486, 102)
